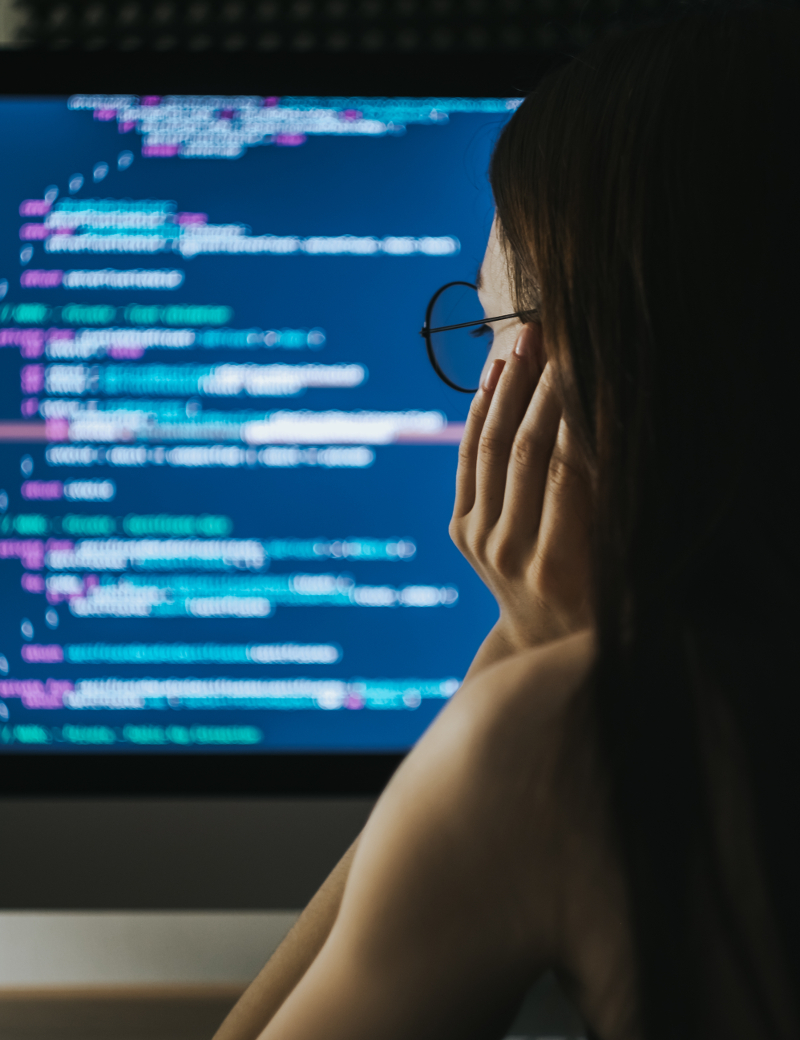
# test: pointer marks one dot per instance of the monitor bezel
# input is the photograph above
(490, 73)
(37, 72)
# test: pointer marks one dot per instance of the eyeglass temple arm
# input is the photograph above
(425, 331)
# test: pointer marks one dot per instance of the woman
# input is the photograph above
(613, 793)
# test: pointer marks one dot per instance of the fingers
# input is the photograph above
(529, 462)
(468, 451)
(509, 404)
(562, 561)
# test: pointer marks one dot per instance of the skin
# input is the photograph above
(523, 500)
(487, 859)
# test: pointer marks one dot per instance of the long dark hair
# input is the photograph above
(648, 195)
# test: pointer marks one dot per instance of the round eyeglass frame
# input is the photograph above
(427, 332)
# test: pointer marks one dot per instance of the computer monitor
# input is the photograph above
(227, 465)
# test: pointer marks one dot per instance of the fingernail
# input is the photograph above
(522, 348)
(493, 375)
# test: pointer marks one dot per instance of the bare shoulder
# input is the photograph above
(533, 722)
(484, 863)
(516, 724)
(506, 729)
(509, 793)
(479, 794)
(525, 696)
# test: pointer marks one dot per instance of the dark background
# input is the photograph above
(269, 27)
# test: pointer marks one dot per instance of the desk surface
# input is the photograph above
(115, 1013)
(194, 1013)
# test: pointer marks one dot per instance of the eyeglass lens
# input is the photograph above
(460, 353)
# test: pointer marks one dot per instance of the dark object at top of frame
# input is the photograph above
(324, 26)
(322, 47)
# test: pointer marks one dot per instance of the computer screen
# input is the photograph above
(227, 466)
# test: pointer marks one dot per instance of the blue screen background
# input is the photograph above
(428, 181)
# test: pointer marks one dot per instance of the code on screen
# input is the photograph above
(226, 465)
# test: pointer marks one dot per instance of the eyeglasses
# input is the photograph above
(458, 336)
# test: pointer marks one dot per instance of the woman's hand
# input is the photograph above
(522, 506)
